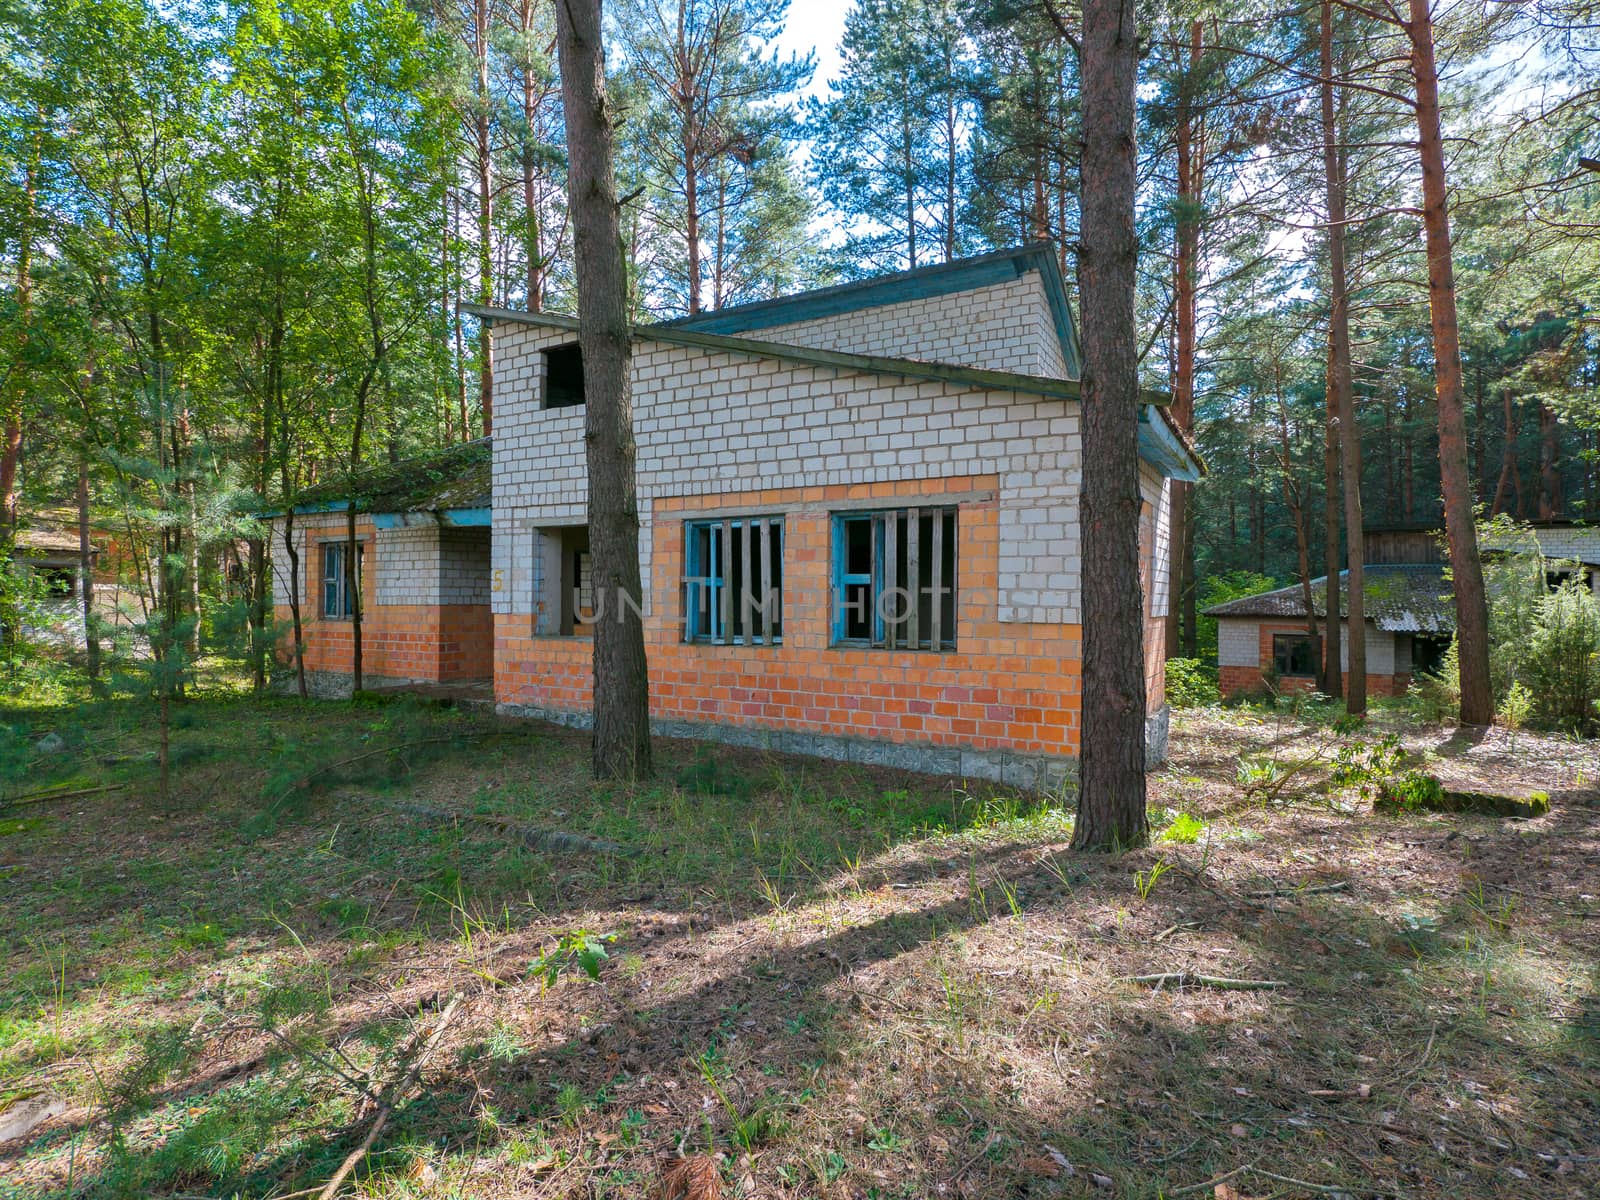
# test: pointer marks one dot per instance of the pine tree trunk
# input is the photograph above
(485, 166)
(1552, 504)
(530, 196)
(1331, 664)
(12, 388)
(621, 681)
(1302, 543)
(1341, 384)
(1185, 321)
(91, 636)
(1111, 799)
(1472, 614)
(296, 619)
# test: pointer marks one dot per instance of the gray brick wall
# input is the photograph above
(1006, 327)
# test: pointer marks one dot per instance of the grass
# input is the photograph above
(849, 982)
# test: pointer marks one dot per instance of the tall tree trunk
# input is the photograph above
(1341, 386)
(14, 383)
(1191, 154)
(1293, 499)
(295, 615)
(532, 247)
(1330, 675)
(1472, 613)
(691, 222)
(460, 328)
(621, 679)
(1111, 799)
(1552, 504)
(91, 634)
(485, 167)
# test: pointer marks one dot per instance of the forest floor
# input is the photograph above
(842, 981)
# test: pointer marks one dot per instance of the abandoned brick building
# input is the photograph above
(1265, 641)
(859, 525)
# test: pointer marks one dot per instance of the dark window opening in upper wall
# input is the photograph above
(563, 376)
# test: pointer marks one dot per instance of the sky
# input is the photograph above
(816, 25)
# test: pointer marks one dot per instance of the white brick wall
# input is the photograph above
(463, 566)
(1151, 481)
(422, 564)
(1238, 643)
(710, 422)
(407, 565)
(309, 529)
(1005, 327)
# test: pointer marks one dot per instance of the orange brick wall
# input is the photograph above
(1006, 686)
(433, 643)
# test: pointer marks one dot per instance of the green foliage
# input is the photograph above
(1184, 829)
(711, 775)
(1144, 882)
(1191, 684)
(580, 948)
(1219, 588)
(1516, 706)
(1438, 695)
(1379, 773)
(1409, 792)
(1562, 662)
(1369, 767)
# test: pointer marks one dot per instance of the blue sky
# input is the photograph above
(816, 25)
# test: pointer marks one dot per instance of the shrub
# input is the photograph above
(1562, 659)
(1414, 791)
(1438, 695)
(1191, 684)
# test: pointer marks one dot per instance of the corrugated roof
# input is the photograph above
(457, 477)
(1400, 597)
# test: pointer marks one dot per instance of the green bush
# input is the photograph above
(1562, 660)
(1544, 645)
(1414, 791)
(1191, 684)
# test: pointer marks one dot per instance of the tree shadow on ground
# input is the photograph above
(946, 1019)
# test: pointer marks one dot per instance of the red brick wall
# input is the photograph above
(1013, 686)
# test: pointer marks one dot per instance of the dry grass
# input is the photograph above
(841, 982)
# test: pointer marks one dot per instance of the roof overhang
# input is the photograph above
(445, 518)
(920, 283)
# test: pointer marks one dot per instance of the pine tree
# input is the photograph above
(714, 100)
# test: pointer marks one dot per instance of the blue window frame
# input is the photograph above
(338, 599)
(733, 581)
(894, 579)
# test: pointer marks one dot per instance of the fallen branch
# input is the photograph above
(46, 796)
(1189, 1189)
(556, 840)
(1323, 1188)
(1191, 979)
(394, 1096)
(1320, 889)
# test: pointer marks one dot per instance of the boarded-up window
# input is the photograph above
(733, 581)
(894, 579)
